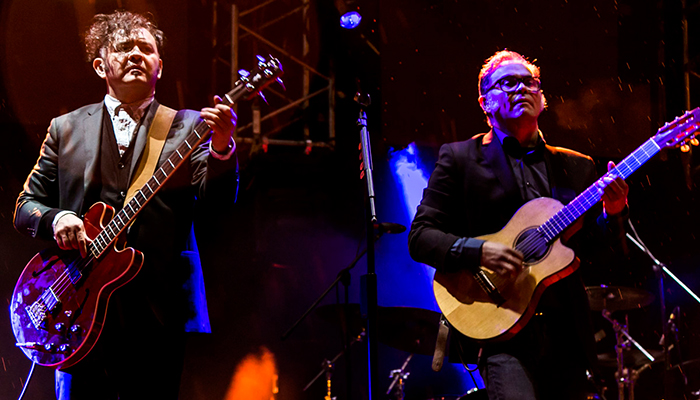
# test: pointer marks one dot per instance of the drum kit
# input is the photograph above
(630, 359)
(415, 331)
(412, 330)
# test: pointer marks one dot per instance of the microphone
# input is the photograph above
(389, 227)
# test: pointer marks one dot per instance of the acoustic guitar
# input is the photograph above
(485, 306)
(60, 302)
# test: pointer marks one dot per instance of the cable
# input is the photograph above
(29, 377)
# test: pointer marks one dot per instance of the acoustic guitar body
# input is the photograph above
(474, 313)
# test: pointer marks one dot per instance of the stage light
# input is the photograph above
(350, 20)
(410, 176)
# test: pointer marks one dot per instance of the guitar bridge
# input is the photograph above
(40, 309)
(485, 283)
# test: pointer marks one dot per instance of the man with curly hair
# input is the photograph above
(475, 189)
(90, 155)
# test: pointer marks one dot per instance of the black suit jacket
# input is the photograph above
(170, 283)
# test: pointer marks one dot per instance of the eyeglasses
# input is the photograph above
(510, 83)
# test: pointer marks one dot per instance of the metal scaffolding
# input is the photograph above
(690, 69)
(264, 124)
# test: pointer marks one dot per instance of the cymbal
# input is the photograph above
(614, 298)
(413, 330)
(632, 358)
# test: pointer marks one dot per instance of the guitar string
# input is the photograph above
(63, 282)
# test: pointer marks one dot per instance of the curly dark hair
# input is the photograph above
(106, 28)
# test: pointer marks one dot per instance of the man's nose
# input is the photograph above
(520, 88)
(135, 53)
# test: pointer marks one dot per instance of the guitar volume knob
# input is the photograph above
(75, 329)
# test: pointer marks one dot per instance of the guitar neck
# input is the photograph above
(131, 209)
(560, 221)
(128, 213)
(249, 85)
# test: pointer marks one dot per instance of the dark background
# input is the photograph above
(612, 74)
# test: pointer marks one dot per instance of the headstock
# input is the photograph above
(680, 132)
(253, 82)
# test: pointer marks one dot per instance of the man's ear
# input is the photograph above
(487, 105)
(98, 65)
(160, 68)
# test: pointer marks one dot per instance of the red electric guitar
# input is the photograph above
(60, 301)
(485, 306)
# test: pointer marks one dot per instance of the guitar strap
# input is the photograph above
(157, 134)
(441, 343)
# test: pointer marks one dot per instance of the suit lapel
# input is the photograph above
(496, 158)
(91, 133)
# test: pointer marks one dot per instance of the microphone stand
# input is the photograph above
(659, 271)
(369, 281)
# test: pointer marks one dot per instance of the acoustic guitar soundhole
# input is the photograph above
(533, 245)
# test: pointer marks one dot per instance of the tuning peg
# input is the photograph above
(243, 73)
(694, 141)
(685, 148)
(261, 59)
(279, 80)
(262, 96)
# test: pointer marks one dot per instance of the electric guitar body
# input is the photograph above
(59, 304)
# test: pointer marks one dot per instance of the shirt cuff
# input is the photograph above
(57, 217)
(225, 155)
(465, 253)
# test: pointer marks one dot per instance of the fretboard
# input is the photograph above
(128, 213)
(554, 226)
(246, 87)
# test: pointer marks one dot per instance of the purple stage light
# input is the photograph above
(350, 20)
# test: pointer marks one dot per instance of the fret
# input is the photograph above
(163, 172)
(171, 163)
(188, 145)
(128, 216)
(116, 229)
(178, 153)
(97, 247)
(156, 179)
(149, 187)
